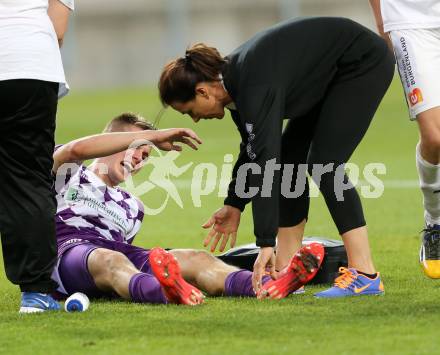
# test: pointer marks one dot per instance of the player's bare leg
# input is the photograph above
(203, 270)
(429, 126)
(111, 271)
(289, 241)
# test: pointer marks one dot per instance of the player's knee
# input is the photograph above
(315, 167)
(196, 256)
(430, 141)
(429, 124)
(322, 173)
(105, 264)
(202, 256)
(113, 261)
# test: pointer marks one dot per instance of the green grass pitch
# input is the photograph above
(401, 322)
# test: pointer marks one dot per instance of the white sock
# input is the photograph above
(429, 177)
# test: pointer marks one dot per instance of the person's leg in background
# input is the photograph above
(345, 117)
(428, 167)
(27, 202)
(420, 49)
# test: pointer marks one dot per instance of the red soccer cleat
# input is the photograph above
(167, 271)
(302, 268)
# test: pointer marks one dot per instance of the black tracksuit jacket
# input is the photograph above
(281, 73)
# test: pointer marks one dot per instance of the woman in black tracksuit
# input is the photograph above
(326, 77)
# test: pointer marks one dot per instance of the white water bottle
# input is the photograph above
(78, 302)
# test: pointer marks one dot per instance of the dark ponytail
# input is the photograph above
(179, 78)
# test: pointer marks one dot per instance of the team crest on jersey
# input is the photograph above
(415, 97)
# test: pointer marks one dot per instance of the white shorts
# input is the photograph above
(417, 54)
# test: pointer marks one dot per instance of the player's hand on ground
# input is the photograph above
(265, 260)
(224, 225)
(172, 139)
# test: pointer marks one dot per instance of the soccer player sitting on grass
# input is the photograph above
(96, 222)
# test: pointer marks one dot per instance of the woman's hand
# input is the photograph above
(265, 259)
(224, 223)
(166, 139)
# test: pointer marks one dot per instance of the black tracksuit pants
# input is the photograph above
(329, 134)
(27, 201)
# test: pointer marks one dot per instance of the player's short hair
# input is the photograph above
(179, 77)
(121, 122)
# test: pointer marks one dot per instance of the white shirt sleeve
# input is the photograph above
(69, 3)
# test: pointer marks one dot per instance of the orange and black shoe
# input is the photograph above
(430, 251)
(302, 268)
(167, 271)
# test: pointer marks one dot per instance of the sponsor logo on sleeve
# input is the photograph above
(415, 97)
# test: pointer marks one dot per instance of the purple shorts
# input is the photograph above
(72, 273)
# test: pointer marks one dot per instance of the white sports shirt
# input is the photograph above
(410, 14)
(28, 43)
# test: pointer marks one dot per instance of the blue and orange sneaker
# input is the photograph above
(351, 283)
(301, 269)
(33, 302)
(167, 271)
